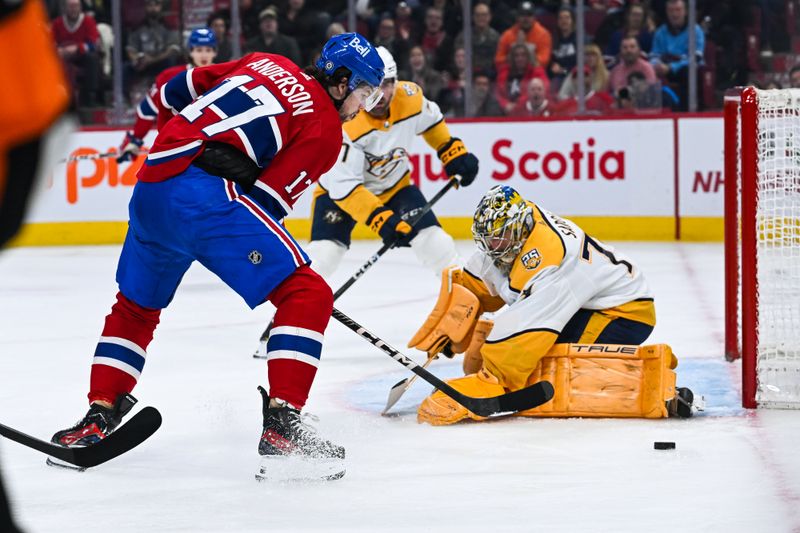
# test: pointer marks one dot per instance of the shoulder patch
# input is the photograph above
(407, 101)
(532, 259)
(409, 87)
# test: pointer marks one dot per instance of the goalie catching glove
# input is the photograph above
(454, 325)
(457, 161)
(391, 227)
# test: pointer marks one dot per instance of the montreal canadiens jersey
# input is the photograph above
(147, 113)
(262, 104)
(560, 270)
(373, 151)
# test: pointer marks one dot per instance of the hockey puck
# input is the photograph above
(663, 445)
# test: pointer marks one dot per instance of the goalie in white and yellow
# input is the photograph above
(370, 183)
(570, 310)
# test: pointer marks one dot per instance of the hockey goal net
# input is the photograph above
(762, 243)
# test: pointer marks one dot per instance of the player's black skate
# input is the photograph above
(291, 450)
(681, 405)
(98, 423)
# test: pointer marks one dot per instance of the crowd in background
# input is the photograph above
(524, 54)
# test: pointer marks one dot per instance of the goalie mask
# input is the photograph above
(502, 223)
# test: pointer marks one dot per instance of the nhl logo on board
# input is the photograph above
(255, 257)
(532, 259)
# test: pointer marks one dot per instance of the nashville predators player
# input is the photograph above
(572, 311)
(370, 183)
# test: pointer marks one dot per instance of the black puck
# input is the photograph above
(664, 445)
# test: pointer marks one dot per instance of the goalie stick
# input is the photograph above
(128, 436)
(372, 260)
(511, 402)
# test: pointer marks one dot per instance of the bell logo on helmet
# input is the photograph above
(362, 49)
(329, 65)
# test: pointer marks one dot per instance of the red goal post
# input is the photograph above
(762, 243)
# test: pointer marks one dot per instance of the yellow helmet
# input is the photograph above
(502, 223)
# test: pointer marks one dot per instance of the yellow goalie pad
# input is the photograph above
(452, 320)
(590, 380)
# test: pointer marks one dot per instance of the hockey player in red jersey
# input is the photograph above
(202, 46)
(249, 137)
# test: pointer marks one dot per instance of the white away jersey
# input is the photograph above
(559, 271)
(374, 150)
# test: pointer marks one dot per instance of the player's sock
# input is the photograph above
(304, 304)
(435, 249)
(120, 355)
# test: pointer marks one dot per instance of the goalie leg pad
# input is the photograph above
(435, 249)
(439, 409)
(607, 380)
(325, 256)
(452, 319)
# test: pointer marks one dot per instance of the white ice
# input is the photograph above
(732, 470)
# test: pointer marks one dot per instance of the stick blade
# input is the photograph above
(395, 393)
(131, 434)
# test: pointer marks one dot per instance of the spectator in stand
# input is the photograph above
(435, 42)
(422, 74)
(536, 104)
(525, 31)
(794, 77)
(452, 12)
(451, 97)
(597, 102)
(306, 26)
(598, 74)
(513, 77)
(484, 104)
(405, 24)
(484, 39)
(651, 96)
(153, 47)
(565, 50)
(219, 25)
(386, 36)
(631, 60)
(271, 40)
(637, 24)
(670, 52)
(77, 40)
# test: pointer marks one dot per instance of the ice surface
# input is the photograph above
(731, 471)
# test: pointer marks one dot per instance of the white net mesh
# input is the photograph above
(778, 248)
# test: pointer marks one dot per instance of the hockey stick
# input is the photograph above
(372, 260)
(400, 388)
(84, 157)
(511, 402)
(128, 436)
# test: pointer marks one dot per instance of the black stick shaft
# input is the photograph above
(377, 255)
(519, 400)
(385, 248)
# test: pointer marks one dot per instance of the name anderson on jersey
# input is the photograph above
(287, 84)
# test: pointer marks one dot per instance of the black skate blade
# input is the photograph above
(294, 468)
(66, 466)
